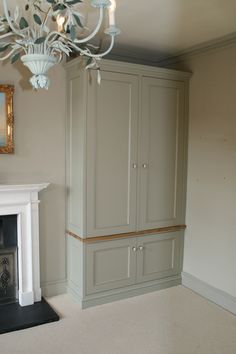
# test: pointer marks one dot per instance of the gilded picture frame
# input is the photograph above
(6, 119)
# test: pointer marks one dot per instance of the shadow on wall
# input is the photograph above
(24, 73)
(52, 245)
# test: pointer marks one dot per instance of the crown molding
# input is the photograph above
(203, 48)
(154, 58)
(135, 55)
(157, 59)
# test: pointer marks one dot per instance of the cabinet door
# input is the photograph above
(158, 256)
(161, 153)
(110, 265)
(112, 154)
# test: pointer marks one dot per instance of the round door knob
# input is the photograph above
(135, 165)
(140, 248)
(134, 249)
(145, 165)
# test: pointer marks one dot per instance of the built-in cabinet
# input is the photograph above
(126, 171)
(123, 262)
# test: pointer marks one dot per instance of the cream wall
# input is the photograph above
(40, 157)
(210, 243)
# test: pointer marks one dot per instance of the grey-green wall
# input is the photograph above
(40, 157)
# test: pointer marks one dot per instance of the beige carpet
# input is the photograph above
(171, 321)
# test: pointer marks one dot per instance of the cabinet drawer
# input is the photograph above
(158, 256)
(110, 265)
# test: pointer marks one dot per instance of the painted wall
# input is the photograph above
(40, 157)
(210, 242)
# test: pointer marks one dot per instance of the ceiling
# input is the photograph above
(154, 29)
(166, 27)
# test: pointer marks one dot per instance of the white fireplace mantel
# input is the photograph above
(22, 200)
(23, 187)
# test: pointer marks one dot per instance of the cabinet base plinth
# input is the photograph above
(122, 293)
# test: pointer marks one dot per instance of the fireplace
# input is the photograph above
(19, 244)
(21, 303)
(8, 259)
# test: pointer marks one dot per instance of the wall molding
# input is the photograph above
(53, 288)
(209, 292)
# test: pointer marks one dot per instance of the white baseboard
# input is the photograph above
(53, 288)
(215, 295)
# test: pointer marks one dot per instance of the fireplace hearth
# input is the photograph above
(14, 317)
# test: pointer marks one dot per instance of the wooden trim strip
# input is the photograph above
(129, 234)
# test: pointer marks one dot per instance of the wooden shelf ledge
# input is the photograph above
(128, 234)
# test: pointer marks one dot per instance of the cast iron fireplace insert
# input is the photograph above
(14, 317)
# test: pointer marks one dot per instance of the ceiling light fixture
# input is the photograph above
(45, 30)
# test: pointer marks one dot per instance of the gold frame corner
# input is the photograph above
(9, 147)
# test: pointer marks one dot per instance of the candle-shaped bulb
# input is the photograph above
(60, 22)
(112, 10)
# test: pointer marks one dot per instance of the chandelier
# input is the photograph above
(44, 31)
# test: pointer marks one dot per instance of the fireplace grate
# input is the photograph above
(8, 259)
(8, 276)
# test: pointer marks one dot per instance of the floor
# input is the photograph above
(171, 321)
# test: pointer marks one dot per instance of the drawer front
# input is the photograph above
(159, 256)
(110, 265)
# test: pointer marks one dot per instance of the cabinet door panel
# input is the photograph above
(110, 265)
(161, 153)
(112, 152)
(160, 256)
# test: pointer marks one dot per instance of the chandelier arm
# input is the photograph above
(53, 40)
(53, 33)
(45, 20)
(51, 49)
(101, 13)
(7, 35)
(84, 40)
(8, 55)
(83, 52)
(58, 52)
(15, 30)
(95, 56)
(33, 34)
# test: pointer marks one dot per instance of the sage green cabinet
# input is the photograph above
(120, 263)
(110, 265)
(126, 142)
(158, 256)
(126, 179)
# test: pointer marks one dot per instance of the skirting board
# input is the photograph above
(53, 288)
(123, 293)
(215, 295)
